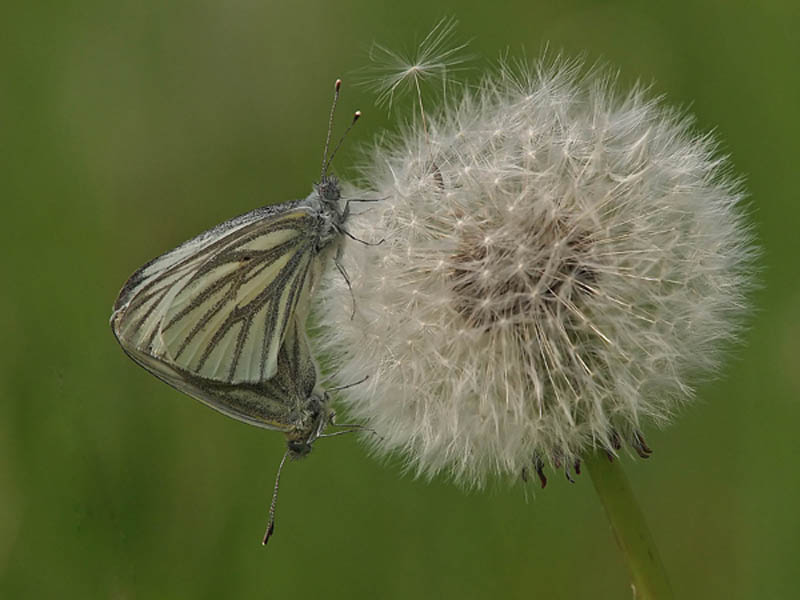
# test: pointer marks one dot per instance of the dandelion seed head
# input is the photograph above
(561, 264)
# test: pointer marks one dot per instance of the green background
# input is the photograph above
(128, 127)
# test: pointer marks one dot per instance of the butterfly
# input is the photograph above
(222, 316)
(215, 310)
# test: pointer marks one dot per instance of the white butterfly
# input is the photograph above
(222, 316)
(212, 314)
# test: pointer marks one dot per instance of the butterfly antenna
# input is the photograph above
(271, 524)
(336, 87)
(356, 116)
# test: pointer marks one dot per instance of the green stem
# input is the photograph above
(648, 578)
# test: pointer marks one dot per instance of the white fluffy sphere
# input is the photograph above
(560, 264)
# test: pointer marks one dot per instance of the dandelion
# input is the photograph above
(561, 264)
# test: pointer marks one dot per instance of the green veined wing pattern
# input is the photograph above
(218, 306)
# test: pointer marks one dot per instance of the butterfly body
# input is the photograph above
(222, 316)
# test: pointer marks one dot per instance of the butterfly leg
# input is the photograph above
(335, 433)
(348, 385)
(359, 240)
(347, 281)
(347, 203)
(349, 428)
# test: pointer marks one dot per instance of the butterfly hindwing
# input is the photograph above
(287, 402)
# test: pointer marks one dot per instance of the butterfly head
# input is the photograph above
(298, 449)
(328, 196)
(329, 191)
(301, 440)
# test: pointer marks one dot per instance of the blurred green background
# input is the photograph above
(130, 126)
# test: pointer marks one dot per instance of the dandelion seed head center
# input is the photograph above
(518, 270)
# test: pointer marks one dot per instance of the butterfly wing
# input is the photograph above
(286, 402)
(217, 307)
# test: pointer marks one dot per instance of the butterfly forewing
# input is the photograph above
(218, 306)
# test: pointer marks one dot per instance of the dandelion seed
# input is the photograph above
(437, 58)
(580, 261)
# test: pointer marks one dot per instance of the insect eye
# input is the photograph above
(298, 449)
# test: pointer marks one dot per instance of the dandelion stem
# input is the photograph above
(648, 577)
